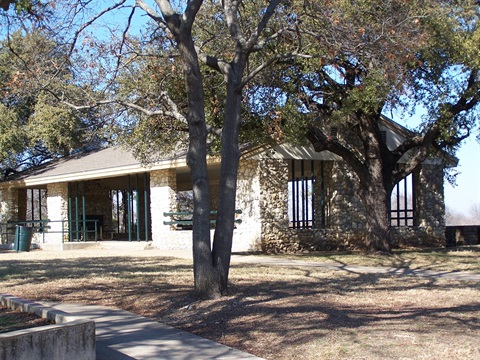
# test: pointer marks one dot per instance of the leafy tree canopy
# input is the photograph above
(35, 126)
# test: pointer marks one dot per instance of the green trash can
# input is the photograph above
(23, 238)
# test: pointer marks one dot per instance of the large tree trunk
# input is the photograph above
(222, 241)
(376, 200)
(205, 278)
(375, 183)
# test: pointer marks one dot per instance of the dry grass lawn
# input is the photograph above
(276, 312)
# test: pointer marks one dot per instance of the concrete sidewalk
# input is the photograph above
(122, 335)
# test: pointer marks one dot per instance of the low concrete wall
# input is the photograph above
(70, 338)
(458, 235)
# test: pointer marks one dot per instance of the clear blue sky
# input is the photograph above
(467, 192)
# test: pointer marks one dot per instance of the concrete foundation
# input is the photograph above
(70, 338)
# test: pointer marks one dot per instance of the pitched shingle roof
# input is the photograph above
(100, 163)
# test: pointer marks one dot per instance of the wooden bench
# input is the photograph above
(180, 219)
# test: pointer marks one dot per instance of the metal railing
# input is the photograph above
(75, 233)
(7, 229)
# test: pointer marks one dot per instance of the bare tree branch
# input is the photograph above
(253, 40)
(321, 142)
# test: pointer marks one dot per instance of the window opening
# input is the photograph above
(130, 208)
(403, 203)
(119, 213)
(302, 196)
(36, 204)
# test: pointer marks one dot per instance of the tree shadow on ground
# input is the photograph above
(295, 312)
(268, 307)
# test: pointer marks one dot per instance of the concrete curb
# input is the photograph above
(70, 338)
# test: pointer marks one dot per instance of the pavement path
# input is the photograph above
(122, 335)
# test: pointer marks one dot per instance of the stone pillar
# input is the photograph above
(273, 176)
(163, 188)
(429, 200)
(9, 199)
(346, 211)
(9, 205)
(323, 174)
(57, 209)
(247, 235)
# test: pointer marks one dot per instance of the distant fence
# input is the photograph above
(462, 235)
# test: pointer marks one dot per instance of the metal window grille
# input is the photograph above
(402, 211)
(305, 195)
(36, 204)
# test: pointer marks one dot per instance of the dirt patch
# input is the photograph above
(273, 312)
(11, 320)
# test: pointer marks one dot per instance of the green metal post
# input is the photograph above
(312, 165)
(77, 213)
(137, 206)
(118, 212)
(39, 204)
(84, 217)
(322, 175)
(145, 204)
(70, 222)
(31, 204)
(129, 210)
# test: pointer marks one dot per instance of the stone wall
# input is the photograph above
(345, 214)
(9, 201)
(341, 206)
(346, 211)
(57, 209)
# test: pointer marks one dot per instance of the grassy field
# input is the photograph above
(461, 259)
(276, 312)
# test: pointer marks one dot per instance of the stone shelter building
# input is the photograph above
(290, 198)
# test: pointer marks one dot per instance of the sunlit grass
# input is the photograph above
(463, 259)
